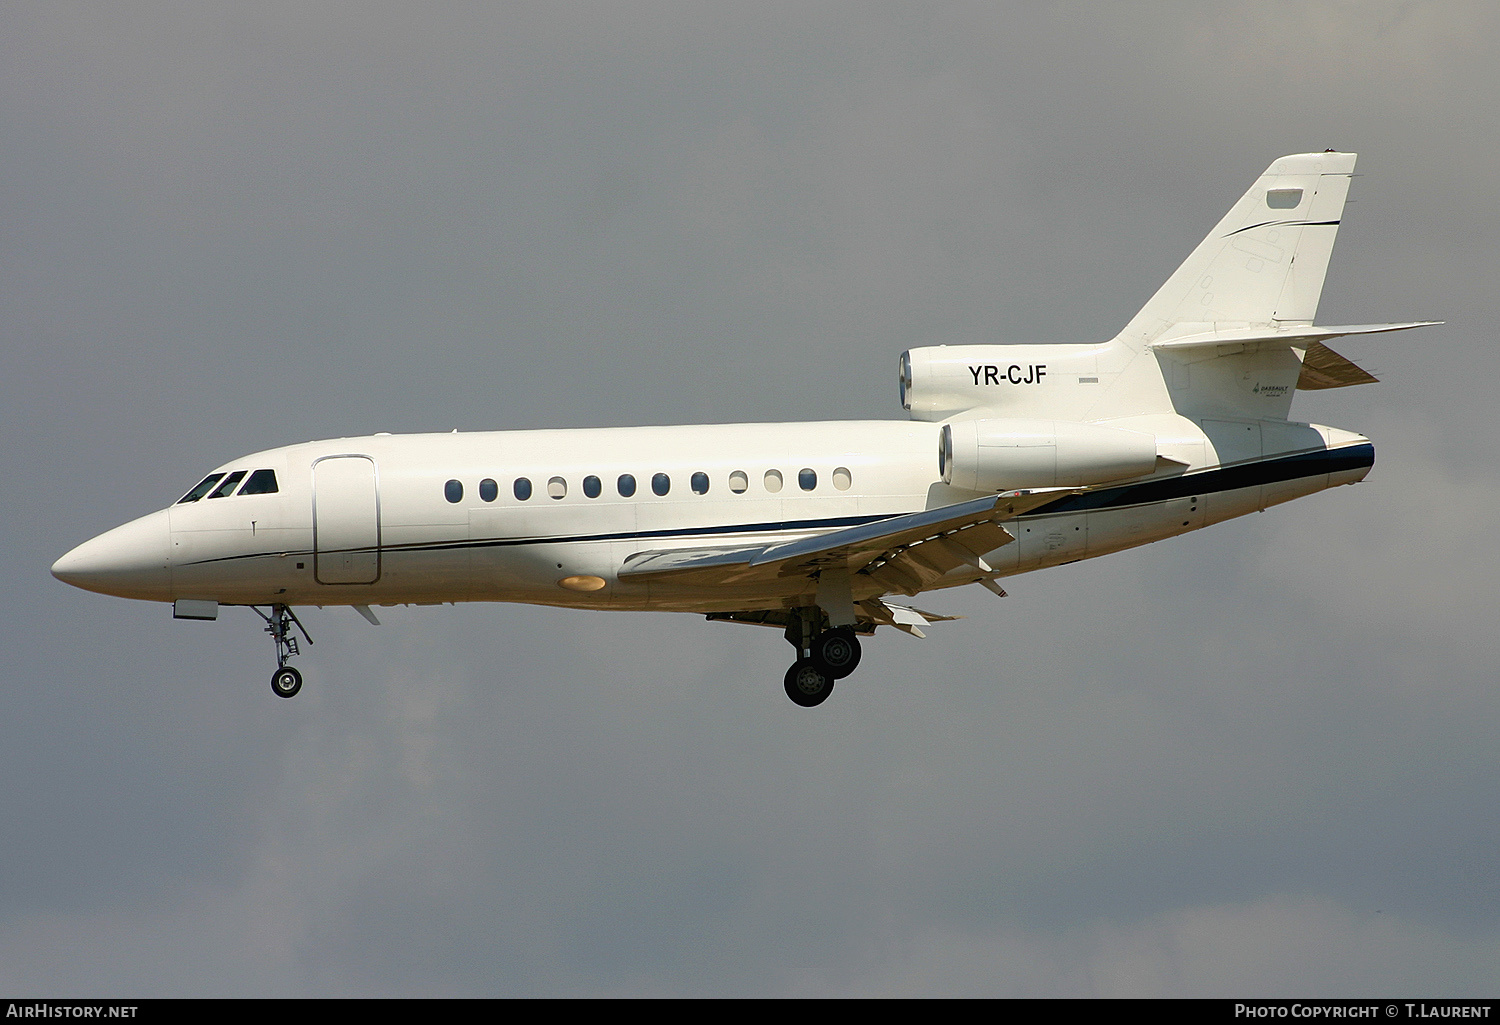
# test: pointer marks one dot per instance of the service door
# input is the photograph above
(346, 520)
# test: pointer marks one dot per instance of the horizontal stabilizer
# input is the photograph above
(1323, 368)
(1299, 337)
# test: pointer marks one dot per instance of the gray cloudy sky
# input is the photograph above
(1257, 760)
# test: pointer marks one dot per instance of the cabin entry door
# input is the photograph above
(346, 520)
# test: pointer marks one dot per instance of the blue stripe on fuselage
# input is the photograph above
(1225, 478)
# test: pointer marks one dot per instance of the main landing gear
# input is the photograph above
(824, 655)
(285, 681)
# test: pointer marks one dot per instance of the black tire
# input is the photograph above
(806, 684)
(836, 652)
(286, 682)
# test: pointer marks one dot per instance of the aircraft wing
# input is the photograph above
(901, 553)
(878, 612)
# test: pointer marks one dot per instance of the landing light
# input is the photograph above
(581, 583)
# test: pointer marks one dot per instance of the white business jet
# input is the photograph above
(1015, 458)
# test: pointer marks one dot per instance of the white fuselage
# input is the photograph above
(377, 520)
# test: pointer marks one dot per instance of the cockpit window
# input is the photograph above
(261, 482)
(203, 487)
(230, 482)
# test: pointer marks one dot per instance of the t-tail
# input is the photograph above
(1232, 329)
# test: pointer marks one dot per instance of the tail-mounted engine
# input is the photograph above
(1066, 380)
(1004, 454)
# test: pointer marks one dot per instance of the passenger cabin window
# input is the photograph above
(626, 485)
(230, 483)
(661, 484)
(842, 478)
(261, 482)
(488, 490)
(739, 483)
(807, 479)
(592, 487)
(557, 488)
(453, 491)
(202, 488)
(773, 481)
(522, 489)
(700, 483)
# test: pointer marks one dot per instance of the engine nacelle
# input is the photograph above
(1066, 380)
(1006, 454)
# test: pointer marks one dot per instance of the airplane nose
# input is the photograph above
(131, 561)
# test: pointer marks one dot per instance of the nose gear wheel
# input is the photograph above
(286, 681)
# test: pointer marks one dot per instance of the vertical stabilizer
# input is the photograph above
(1263, 265)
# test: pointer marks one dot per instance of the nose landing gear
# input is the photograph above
(286, 681)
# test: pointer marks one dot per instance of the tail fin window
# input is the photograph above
(230, 483)
(1284, 199)
(261, 482)
(202, 488)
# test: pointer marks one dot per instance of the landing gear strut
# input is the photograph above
(286, 681)
(823, 656)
